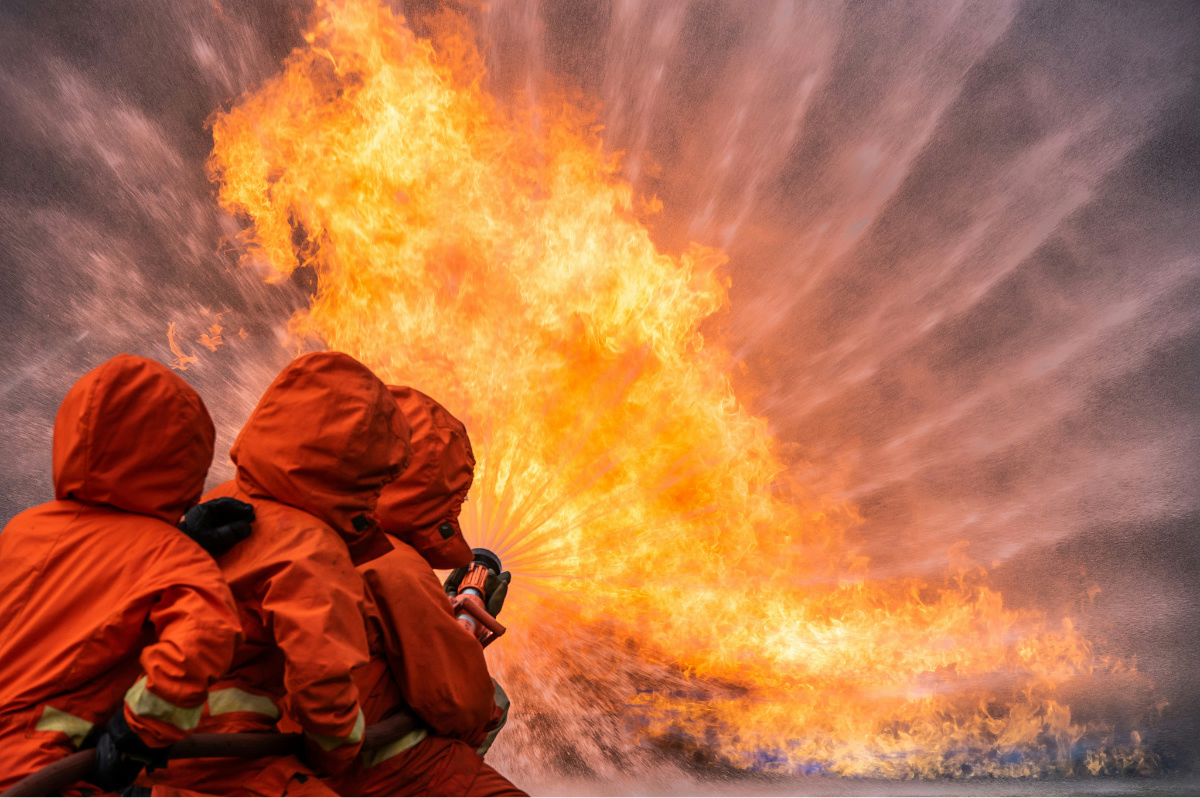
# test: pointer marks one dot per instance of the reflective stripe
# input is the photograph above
(146, 704)
(382, 754)
(501, 699)
(231, 699)
(55, 720)
(330, 743)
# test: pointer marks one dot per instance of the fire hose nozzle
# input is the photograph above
(487, 558)
(469, 608)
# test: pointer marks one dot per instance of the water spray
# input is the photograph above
(469, 607)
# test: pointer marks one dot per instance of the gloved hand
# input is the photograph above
(121, 755)
(495, 588)
(218, 524)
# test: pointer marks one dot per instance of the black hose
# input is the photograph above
(53, 779)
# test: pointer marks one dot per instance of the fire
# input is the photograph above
(673, 585)
(182, 360)
(212, 339)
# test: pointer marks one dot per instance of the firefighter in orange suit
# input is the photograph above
(421, 658)
(325, 438)
(113, 623)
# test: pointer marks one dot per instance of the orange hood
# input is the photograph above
(325, 437)
(432, 490)
(132, 435)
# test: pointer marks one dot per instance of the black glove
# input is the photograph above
(218, 524)
(121, 755)
(495, 588)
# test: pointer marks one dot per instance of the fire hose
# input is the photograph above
(53, 779)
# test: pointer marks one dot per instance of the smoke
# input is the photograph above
(109, 231)
(963, 254)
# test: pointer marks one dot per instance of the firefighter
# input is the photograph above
(113, 623)
(421, 658)
(325, 438)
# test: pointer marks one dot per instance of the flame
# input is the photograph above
(212, 339)
(182, 360)
(674, 586)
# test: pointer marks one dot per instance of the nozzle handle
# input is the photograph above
(470, 612)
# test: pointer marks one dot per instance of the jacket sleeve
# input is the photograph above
(314, 608)
(196, 630)
(438, 665)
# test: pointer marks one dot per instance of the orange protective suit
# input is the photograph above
(421, 658)
(312, 458)
(99, 587)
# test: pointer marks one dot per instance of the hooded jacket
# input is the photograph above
(435, 485)
(102, 599)
(421, 658)
(314, 455)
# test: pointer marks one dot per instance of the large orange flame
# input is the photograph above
(672, 584)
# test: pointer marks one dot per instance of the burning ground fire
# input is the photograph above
(673, 587)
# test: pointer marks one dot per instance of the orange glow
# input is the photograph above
(182, 360)
(498, 262)
(212, 339)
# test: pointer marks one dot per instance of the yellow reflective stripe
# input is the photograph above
(55, 720)
(501, 699)
(382, 754)
(146, 704)
(360, 726)
(231, 699)
(330, 743)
